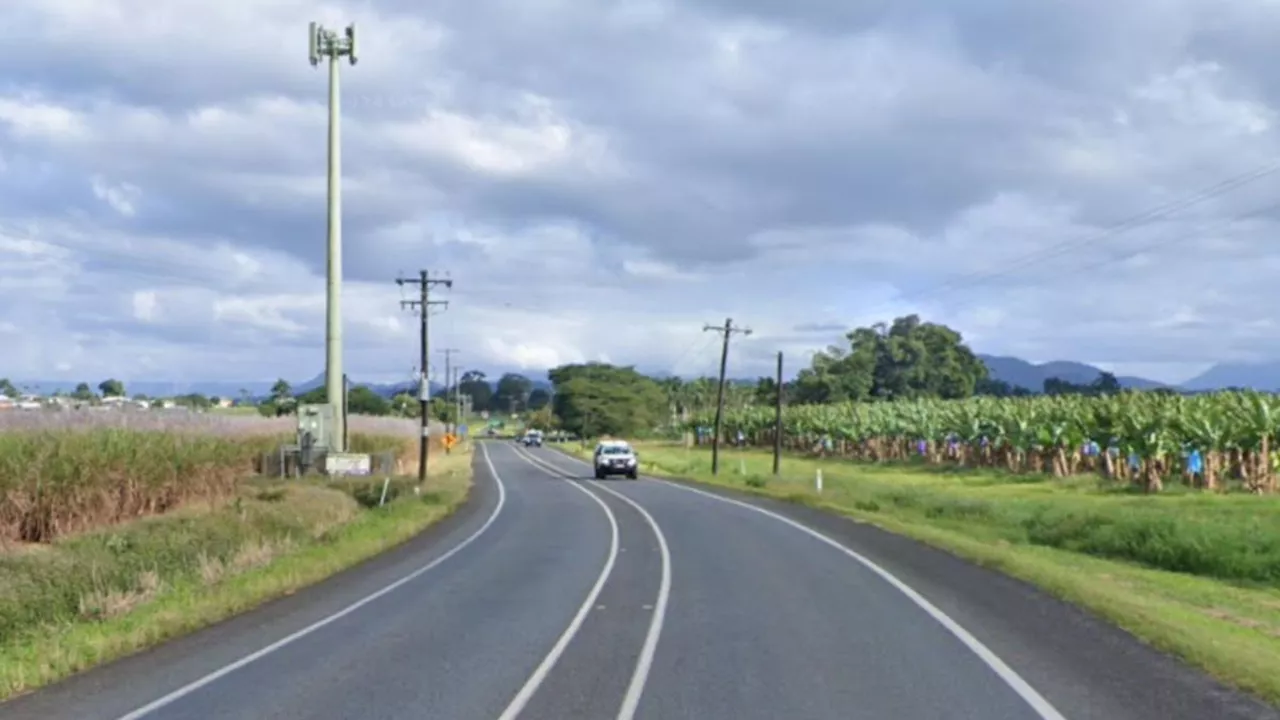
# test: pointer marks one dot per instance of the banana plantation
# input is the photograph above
(1212, 441)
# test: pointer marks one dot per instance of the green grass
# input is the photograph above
(1194, 574)
(89, 598)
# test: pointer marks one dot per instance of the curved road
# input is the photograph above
(554, 597)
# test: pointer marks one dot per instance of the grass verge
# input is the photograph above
(1192, 574)
(88, 599)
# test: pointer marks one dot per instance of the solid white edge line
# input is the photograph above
(1021, 687)
(635, 690)
(544, 668)
(232, 667)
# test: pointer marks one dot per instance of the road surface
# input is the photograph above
(554, 597)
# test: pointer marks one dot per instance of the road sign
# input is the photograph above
(462, 430)
(450, 440)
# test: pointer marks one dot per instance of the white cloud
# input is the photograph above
(146, 306)
(601, 180)
(28, 118)
(123, 198)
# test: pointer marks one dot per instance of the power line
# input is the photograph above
(424, 303)
(1145, 217)
(1259, 211)
(693, 349)
(726, 331)
(1208, 229)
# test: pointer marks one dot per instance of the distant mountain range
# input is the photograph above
(1015, 371)
(1024, 374)
(1020, 373)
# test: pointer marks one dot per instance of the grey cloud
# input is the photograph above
(820, 328)
(852, 150)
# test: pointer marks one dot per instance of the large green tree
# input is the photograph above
(406, 404)
(281, 392)
(903, 360)
(539, 398)
(474, 385)
(361, 400)
(512, 393)
(595, 399)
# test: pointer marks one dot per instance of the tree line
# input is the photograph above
(110, 388)
(513, 393)
(905, 359)
(902, 360)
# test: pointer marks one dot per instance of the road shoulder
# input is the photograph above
(1059, 648)
(191, 655)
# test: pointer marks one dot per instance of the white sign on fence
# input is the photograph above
(347, 464)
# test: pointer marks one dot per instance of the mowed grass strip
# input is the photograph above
(1194, 574)
(90, 598)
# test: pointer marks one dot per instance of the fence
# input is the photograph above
(287, 461)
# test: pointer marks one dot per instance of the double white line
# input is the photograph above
(631, 700)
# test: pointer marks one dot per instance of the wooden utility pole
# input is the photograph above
(727, 330)
(423, 304)
(449, 427)
(777, 422)
(457, 404)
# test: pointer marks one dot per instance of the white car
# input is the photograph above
(614, 457)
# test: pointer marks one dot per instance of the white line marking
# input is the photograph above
(1021, 687)
(228, 669)
(540, 673)
(631, 700)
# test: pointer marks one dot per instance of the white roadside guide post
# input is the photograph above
(327, 43)
(817, 480)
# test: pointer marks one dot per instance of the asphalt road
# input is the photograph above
(551, 596)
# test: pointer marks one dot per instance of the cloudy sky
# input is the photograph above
(1065, 179)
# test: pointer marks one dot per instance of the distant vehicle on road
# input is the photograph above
(533, 438)
(615, 457)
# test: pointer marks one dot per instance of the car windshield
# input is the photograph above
(615, 450)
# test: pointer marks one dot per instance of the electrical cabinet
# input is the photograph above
(315, 426)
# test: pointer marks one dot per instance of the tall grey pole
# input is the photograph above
(333, 326)
(326, 43)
